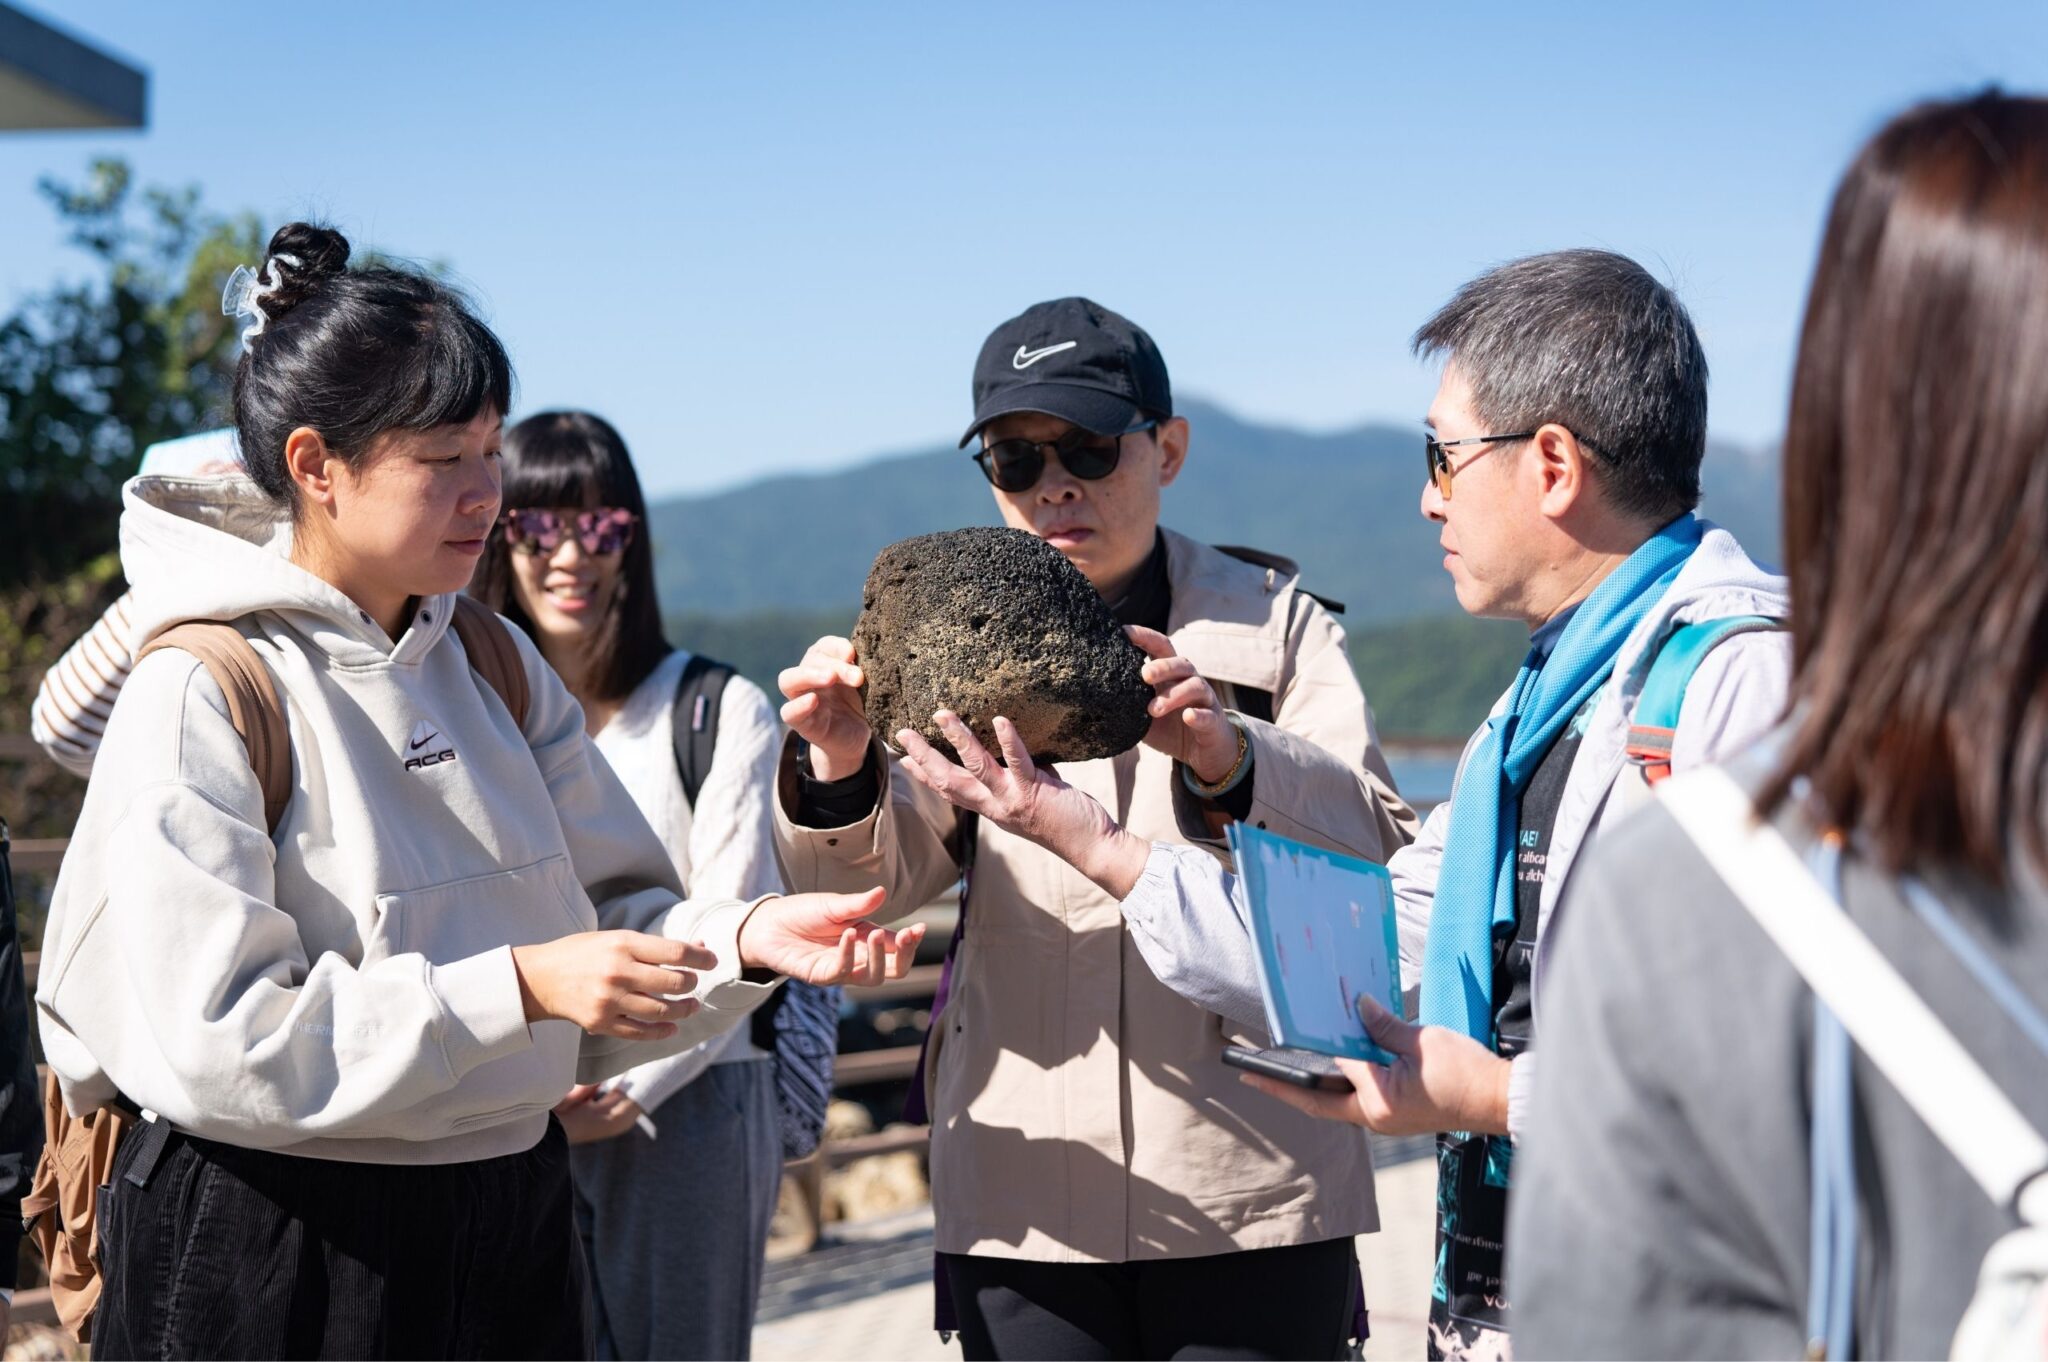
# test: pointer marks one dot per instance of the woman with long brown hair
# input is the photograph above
(1713, 1168)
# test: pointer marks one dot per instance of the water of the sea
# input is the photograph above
(1423, 777)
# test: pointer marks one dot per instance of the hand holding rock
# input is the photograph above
(1188, 722)
(826, 708)
(1024, 798)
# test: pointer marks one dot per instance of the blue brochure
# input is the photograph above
(1325, 932)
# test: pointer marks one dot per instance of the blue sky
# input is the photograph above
(767, 237)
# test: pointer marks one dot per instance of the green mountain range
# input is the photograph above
(1343, 505)
(754, 574)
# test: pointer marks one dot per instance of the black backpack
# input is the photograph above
(799, 1026)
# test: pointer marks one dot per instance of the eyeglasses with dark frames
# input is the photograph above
(1015, 465)
(1440, 470)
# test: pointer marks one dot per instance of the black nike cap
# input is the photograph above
(1073, 359)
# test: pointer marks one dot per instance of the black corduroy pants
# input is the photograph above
(210, 1250)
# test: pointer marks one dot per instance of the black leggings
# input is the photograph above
(210, 1250)
(1290, 1302)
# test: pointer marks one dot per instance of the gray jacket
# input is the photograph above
(1661, 1192)
(1186, 923)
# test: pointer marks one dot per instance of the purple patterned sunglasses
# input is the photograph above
(608, 529)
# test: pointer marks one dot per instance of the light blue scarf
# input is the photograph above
(1475, 887)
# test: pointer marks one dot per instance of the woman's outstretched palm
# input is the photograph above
(828, 939)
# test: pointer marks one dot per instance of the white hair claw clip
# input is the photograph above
(242, 295)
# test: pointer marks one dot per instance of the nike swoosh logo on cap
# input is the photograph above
(1024, 359)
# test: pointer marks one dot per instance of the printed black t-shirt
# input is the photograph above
(1468, 1314)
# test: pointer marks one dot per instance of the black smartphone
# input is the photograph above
(1302, 1068)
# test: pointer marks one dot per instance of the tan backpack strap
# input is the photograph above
(492, 653)
(253, 706)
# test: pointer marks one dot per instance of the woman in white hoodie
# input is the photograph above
(347, 1034)
(677, 1162)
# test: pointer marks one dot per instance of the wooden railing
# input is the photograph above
(31, 855)
(38, 855)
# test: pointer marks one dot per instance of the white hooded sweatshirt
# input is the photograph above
(345, 990)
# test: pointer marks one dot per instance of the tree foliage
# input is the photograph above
(94, 371)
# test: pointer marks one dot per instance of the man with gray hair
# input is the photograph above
(1564, 452)
(1564, 449)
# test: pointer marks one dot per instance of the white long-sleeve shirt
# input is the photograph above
(77, 695)
(724, 848)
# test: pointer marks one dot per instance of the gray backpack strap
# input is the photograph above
(1834, 1212)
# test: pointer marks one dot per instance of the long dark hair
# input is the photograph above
(355, 353)
(1916, 494)
(572, 458)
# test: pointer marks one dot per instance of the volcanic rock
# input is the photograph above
(996, 621)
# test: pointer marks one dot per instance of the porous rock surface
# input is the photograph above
(996, 621)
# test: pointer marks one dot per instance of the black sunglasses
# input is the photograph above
(1440, 470)
(1016, 465)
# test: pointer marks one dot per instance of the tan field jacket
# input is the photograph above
(1081, 1110)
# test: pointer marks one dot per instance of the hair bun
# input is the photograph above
(320, 253)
